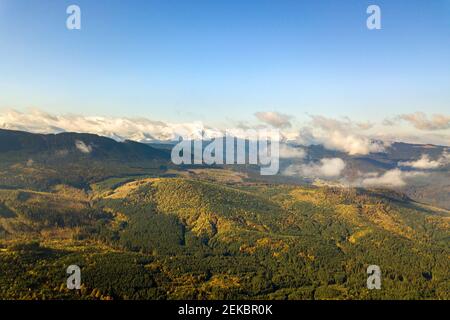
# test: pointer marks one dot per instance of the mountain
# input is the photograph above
(74, 146)
(40, 161)
(77, 159)
(428, 182)
(140, 228)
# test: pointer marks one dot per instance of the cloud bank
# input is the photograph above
(137, 129)
(420, 121)
(354, 138)
(325, 168)
(424, 162)
(339, 135)
(275, 119)
(392, 178)
(287, 151)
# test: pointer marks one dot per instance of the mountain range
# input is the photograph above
(141, 228)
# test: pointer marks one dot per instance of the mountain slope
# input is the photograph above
(115, 210)
(319, 232)
(209, 240)
(40, 161)
(24, 144)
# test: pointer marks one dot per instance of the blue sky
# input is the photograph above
(210, 60)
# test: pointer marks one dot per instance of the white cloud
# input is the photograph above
(137, 129)
(339, 135)
(365, 125)
(424, 162)
(275, 119)
(421, 121)
(391, 178)
(287, 151)
(343, 135)
(394, 135)
(326, 168)
(82, 147)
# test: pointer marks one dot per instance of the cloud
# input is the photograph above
(388, 136)
(287, 151)
(424, 162)
(137, 129)
(326, 168)
(389, 122)
(421, 121)
(339, 135)
(354, 138)
(365, 125)
(275, 119)
(82, 147)
(391, 178)
(117, 128)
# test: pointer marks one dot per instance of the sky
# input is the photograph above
(224, 61)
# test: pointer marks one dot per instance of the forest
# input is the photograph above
(184, 238)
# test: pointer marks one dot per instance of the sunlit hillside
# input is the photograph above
(183, 238)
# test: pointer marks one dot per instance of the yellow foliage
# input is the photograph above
(222, 281)
(358, 235)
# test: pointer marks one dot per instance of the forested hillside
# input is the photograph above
(183, 238)
(43, 161)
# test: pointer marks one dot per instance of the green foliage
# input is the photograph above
(173, 238)
(153, 233)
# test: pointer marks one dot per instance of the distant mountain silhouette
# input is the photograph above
(72, 146)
